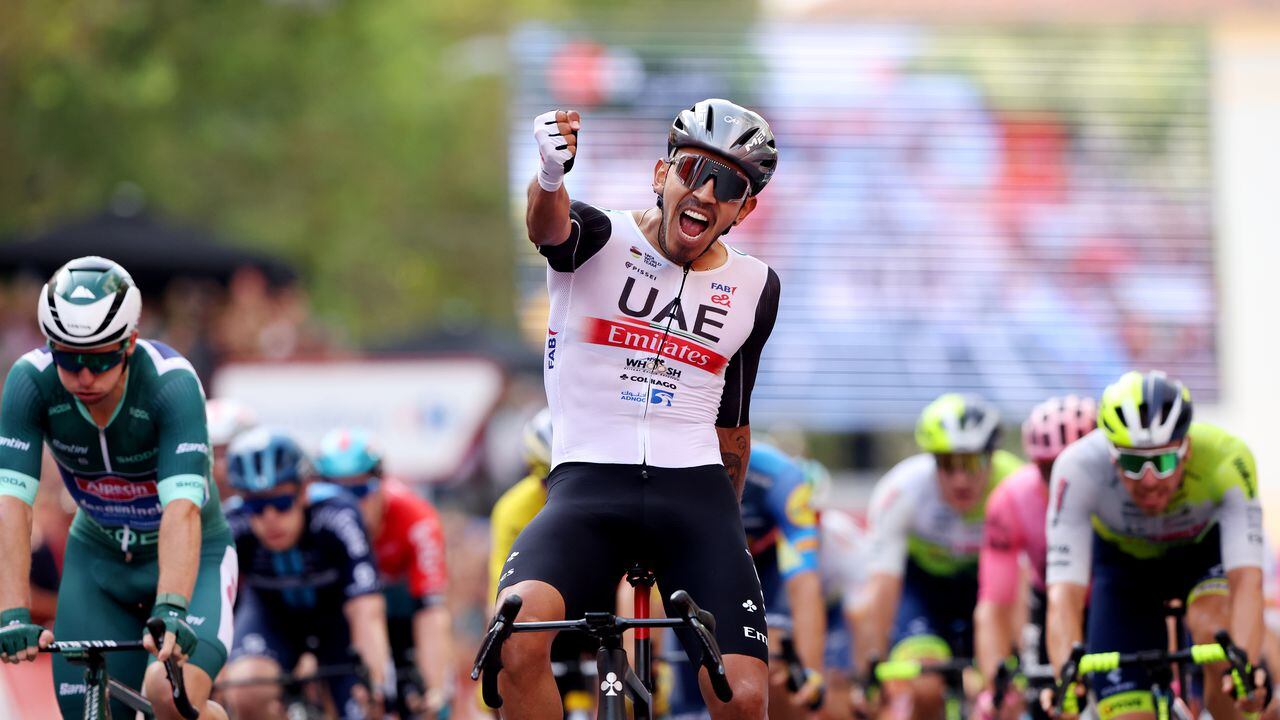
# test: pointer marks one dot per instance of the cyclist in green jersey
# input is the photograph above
(124, 419)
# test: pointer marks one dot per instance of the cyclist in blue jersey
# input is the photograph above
(782, 535)
(308, 582)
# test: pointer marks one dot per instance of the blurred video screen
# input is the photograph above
(1016, 212)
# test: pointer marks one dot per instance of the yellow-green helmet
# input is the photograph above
(1145, 410)
(956, 423)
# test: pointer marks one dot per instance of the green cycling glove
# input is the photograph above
(17, 632)
(174, 617)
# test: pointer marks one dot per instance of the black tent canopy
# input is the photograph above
(154, 252)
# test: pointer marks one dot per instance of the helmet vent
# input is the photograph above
(744, 137)
(711, 120)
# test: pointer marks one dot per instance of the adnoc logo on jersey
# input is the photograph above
(114, 489)
(658, 396)
(631, 396)
(635, 336)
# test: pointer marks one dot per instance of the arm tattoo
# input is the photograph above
(735, 450)
(733, 465)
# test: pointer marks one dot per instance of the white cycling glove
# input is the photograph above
(557, 158)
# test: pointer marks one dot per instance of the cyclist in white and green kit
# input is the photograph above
(124, 419)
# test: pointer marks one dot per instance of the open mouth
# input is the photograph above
(693, 223)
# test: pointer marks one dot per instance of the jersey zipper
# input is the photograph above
(125, 534)
(648, 383)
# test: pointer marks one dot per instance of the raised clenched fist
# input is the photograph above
(557, 135)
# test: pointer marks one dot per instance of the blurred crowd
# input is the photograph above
(248, 319)
(945, 215)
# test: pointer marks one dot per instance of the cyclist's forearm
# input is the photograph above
(15, 538)
(1245, 585)
(873, 618)
(433, 647)
(1064, 620)
(808, 617)
(735, 451)
(992, 636)
(367, 618)
(179, 548)
(547, 215)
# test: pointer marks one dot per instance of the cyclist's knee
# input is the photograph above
(196, 682)
(929, 688)
(1208, 610)
(749, 678)
(540, 601)
(251, 700)
(750, 702)
(529, 654)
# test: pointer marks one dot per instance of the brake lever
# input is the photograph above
(488, 661)
(1241, 671)
(703, 625)
(1067, 701)
(155, 626)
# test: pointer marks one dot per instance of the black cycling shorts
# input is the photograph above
(683, 523)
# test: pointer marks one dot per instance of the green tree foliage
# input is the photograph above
(363, 141)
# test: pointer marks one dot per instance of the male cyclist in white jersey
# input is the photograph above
(1152, 507)
(654, 338)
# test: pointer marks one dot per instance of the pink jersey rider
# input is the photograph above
(1016, 510)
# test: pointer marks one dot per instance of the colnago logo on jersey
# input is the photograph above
(114, 488)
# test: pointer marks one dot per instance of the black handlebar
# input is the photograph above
(488, 660)
(80, 650)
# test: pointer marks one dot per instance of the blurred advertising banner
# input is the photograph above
(428, 413)
(1013, 210)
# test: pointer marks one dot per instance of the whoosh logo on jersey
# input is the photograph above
(116, 489)
(635, 336)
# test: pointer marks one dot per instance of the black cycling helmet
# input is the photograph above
(731, 131)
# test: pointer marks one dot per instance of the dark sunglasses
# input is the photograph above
(960, 462)
(96, 362)
(694, 171)
(279, 503)
(1132, 464)
(361, 489)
